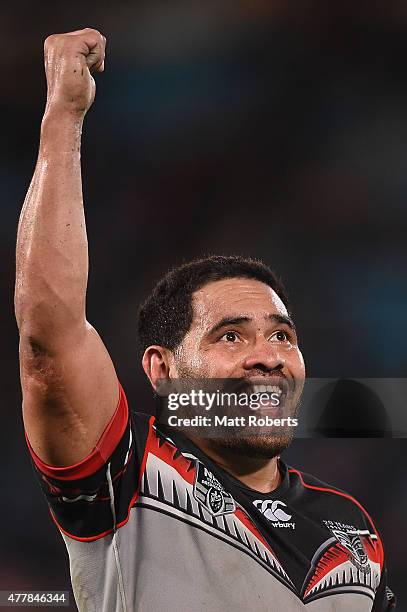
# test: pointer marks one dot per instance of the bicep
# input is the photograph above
(69, 396)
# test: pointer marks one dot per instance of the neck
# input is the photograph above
(260, 474)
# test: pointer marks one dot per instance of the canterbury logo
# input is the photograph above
(272, 509)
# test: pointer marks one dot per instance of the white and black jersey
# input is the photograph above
(152, 524)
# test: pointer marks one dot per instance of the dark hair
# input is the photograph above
(166, 315)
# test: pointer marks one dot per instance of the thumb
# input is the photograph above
(95, 59)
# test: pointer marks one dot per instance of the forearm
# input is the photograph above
(52, 251)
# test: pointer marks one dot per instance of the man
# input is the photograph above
(154, 519)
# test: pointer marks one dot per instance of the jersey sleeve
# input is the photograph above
(385, 600)
(91, 498)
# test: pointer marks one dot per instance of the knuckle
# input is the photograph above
(93, 31)
(93, 37)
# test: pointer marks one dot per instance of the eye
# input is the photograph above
(281, 336)
(230, 336)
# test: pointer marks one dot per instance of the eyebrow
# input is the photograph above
(275, 318)
(283, 319)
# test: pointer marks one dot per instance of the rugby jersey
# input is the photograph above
(151, 523)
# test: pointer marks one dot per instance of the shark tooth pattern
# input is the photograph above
(172, 486)
(334, 570)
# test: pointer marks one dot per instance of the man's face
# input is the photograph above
(241, 329)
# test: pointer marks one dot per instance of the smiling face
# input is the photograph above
(241, 329)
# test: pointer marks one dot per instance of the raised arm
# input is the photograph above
(69, 384)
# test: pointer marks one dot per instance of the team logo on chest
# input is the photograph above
(353, 544)
(211, 494)
(351, 540)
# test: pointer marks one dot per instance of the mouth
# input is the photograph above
(273, 394)
(270, 389)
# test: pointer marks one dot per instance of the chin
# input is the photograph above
(256, 446)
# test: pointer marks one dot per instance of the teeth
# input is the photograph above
(267, 389)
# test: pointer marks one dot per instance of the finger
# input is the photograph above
(96, 56)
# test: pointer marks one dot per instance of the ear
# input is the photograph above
(156, 364)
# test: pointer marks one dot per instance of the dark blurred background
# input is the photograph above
(267, 128)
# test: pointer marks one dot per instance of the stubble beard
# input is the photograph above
(256, 445)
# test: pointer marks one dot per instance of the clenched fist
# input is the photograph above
(69, 60)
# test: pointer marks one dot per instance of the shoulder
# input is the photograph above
(338, 505)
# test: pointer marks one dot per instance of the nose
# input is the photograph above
(264, 357)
